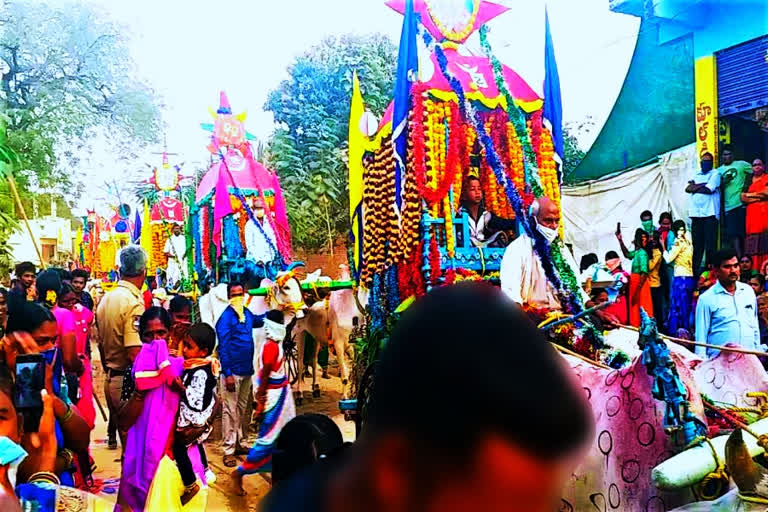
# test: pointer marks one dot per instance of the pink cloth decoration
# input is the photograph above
(83, 320)
(150, 438)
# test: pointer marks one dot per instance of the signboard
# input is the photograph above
(706, 106)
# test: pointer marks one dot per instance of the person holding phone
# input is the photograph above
(42, 489)
(32, 330)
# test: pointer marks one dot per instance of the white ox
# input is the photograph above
(284, 294)
(330, 322)
(630, 439)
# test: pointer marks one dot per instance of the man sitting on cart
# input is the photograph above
(260, 243)
(522, 275)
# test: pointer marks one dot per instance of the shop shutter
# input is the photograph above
(742, 77)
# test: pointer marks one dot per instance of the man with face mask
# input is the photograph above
(234, 331)
(259, 239)
(522, 275)
(704, 210)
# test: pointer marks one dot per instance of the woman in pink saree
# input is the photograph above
(83, 319)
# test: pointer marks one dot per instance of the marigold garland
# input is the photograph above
(434, 262)
(436, 178)
(450, 236)
(205, 235)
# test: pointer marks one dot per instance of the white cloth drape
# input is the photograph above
(591, 210)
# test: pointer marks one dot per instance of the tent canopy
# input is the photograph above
(654, 112)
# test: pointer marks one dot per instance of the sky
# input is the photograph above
(189, 50)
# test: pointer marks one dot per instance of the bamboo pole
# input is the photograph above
(707, 345)
(579, 356)
(17, 199)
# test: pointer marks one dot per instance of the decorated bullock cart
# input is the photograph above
(656, 404)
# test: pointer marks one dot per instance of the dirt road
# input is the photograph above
(220, 496)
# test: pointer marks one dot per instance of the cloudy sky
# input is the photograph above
(191, 49)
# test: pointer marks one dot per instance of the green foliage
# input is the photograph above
(308, 150)
(8, 226)
(573, 154)
(67, 75)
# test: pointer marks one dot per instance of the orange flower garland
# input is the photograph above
(450, 236)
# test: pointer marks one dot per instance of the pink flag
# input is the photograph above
(221, 204)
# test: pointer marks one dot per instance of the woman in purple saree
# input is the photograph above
(150, 412)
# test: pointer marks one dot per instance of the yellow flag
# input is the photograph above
(356, 151)
(145, 240)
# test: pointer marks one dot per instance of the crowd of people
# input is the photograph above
(678, 274)
(166, 378)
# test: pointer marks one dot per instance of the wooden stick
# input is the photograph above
(15, 193)
(579, 356)
(714, 347)
(101, 407)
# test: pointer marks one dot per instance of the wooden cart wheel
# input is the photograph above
(291, 354)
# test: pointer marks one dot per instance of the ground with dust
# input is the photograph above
(221, 497)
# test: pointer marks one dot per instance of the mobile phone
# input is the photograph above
(30, 381)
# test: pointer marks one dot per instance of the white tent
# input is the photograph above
(592, 209)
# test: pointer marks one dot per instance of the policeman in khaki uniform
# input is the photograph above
(118, 317)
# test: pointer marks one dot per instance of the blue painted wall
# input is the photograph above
(715, 24)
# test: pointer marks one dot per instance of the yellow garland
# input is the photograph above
(451, 34)
(450, 236)
(548, 170)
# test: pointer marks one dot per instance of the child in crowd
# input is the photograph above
(198, 403)
(274, 401)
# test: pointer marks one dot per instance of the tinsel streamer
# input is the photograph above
(231, 239)
(392, 289)
(196, 242)
(425, 237)
(378, 315)
(541, 246)
(205, 235)
(515, 116)
(189, 235)
(567, 277)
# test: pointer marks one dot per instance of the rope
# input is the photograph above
(581, 357)
(753, 499)
(707, 345)
(762, 439)
(719, 475)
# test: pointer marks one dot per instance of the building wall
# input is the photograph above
(52, 231)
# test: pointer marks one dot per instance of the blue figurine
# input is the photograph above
(667, 385)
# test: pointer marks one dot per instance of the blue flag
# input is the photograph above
(136, 228)
(407, 70)
(553, 102)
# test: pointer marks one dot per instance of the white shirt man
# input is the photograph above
(727, 312)
(176, 250)
(256, 244)
(522, 275)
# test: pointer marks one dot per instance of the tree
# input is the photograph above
(308, 149)
(572, 152)
(66, 75)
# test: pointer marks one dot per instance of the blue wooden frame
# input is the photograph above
(481, 260)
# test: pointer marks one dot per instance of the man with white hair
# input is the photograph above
(117, 317)
(522, 274)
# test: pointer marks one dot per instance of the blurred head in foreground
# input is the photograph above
(472, 409)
